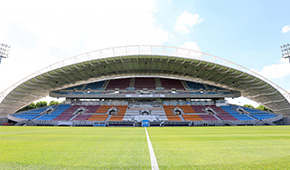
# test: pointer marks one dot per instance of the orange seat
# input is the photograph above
(98, 118)
(169, 113)
(103, 108)
(192, 118)
(186, 109)
(116, 118)
(173, 118)
(168, 109)
(121, 109)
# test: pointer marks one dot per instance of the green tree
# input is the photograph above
(40, 104)
(28, 107)
(261, 107)
(249, 106)
(52, 103)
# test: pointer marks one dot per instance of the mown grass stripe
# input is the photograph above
(154, 163)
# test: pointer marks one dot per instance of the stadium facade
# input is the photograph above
(148, 78)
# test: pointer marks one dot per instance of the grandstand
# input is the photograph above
(141, 99)
(123, 86)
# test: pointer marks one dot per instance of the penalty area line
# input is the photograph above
(154, 164)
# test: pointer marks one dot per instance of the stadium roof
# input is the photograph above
(147, 60)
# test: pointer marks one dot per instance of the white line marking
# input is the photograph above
(154, 164)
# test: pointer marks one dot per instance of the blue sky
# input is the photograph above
(247, 32)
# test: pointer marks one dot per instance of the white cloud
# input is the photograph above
(185, 21)
(44, 32)
(286, 29)
(274, 71)
(191, 45)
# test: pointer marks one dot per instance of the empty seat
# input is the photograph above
(26, 116)
(173, 118)
(148, 83)
(223, 115)
(208, 117)
(199, 108)
(171, 83)
(121, 84)
(98, 118)
(195, 86)
(169, 113)
(91, 108)
(57, 111)
(67, 114)
(95, 86)
(230, 109)
(186, 108)
(116, 118)
(192, 118)
(259, 114)
(168, 109)
(103, 108)
(82, 117)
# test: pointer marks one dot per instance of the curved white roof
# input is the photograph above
(145, 60)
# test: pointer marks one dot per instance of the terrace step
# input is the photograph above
(157, 82)
(132, 82)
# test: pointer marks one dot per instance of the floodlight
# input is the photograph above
(285, 49)
(4, 51)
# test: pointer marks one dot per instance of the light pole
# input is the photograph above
(4, 51)
(285, 49)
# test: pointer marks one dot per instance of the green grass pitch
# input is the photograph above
(263, 147)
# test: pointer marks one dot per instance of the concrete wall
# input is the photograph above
(286, 120)
(3, 119)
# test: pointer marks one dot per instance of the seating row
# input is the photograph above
(189, 113)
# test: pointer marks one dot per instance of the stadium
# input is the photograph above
(145, 86)
(110, 94)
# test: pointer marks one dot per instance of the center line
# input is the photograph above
(154, 164)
